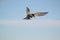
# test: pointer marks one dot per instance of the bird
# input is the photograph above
(32, 15)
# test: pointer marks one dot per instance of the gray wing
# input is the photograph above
(40, 13)
(27, 10)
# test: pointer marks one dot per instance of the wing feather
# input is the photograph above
(40, 13)
(27, 10)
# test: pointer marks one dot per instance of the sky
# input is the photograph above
(13, 27)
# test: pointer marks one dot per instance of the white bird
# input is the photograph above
(31, 15)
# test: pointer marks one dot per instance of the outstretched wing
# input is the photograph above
(27, 10)
(40, 13)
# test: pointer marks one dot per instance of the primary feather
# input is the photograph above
(27, 10)
(40, 13)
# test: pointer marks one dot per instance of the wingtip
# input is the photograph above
(46, 12)
(26, 7)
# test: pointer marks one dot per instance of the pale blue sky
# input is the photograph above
(13, 27)
(15, 9)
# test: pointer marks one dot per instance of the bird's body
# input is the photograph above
(31, 15)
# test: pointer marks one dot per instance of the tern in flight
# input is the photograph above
(32, 15)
